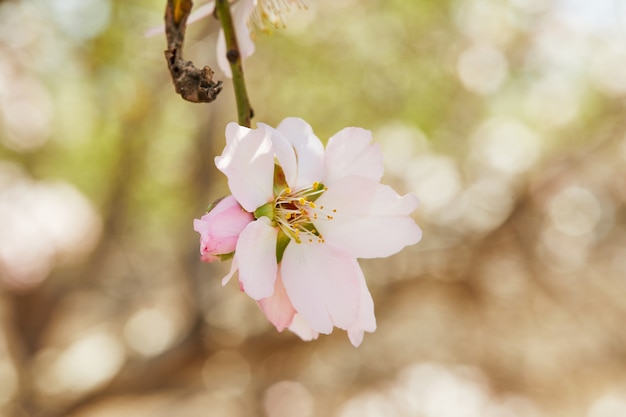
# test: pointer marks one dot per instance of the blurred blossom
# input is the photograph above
(437, 180)
(531, 6)
(151, 331)
(288, 399)
(598, 17)
(557, 48)
(81, 19)
(484, 205)
(506, 145)
(482, 68)
(609, 405)
(226, 373)
(25, 111)
(607, 68)
(401, 144)
(42, 223)
(575, 211)
(86, 364)
(486, 21)
(553, 100)
(431, 390)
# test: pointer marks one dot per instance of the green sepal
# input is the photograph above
(311, 228)
(226, 256)
(280, 182)
(282, 240)
(213, 204)
(266, 210)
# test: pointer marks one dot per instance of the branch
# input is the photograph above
(244, 109)
(193, 84)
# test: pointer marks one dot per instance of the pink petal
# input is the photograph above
(301, 328)
(322, 284)
(309, 151)
(366, 321)
(240, 12)
(350, 152)
(256, 258)
(248, 163)
(371, 220)
(277, 308)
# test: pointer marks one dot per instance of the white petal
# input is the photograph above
(248, 163)
(371, 220)
(309, 150)
(233, 269)
(350, 152)
(256, 258)
(222, 60)
(240, 12)
(284, 152)
(366, 321)
(301, 328)
(322, 284)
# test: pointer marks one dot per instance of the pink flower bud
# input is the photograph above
(220, 228)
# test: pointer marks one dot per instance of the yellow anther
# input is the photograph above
(312, 204)
(287, 190)
(302, 200)
(316, 184)
(288, 216)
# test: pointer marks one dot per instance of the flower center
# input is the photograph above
(268, 14)
(294, 213)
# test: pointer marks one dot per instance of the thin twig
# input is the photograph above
(193, 84)
(244, 110)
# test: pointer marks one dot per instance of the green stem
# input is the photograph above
(244, 110)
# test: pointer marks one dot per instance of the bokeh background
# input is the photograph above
(505, 117)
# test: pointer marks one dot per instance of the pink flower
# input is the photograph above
(316, 212)
(220, 228)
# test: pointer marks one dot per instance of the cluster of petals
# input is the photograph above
(315, 212)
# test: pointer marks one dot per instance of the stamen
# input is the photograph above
(295, 213)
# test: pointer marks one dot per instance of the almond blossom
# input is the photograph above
(316, 211)
(246, 15)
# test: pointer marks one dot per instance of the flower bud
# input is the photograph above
(220, 227)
